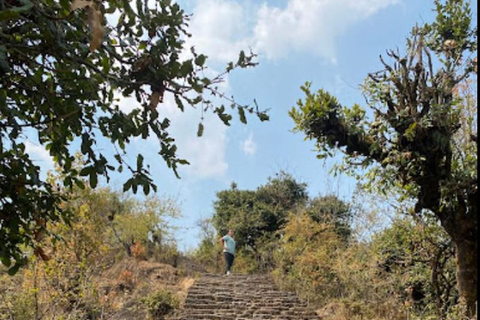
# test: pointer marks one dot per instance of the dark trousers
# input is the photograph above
(229, 260)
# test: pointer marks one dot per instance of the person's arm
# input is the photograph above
(222, 241)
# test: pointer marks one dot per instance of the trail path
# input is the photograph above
(241, 297)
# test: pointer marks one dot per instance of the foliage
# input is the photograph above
(161, 303)
(421, 257)
(305, 259)
(331, 210)
(83, 267)
(18, 301)
(259, 213)
(410, 145)
(209, 253)
(145, 223)
(259, 218)
(406, 271)
(64, 67)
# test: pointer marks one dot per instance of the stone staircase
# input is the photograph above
(241, 297)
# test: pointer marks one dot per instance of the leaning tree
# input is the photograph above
(63, 66)
(410, 136)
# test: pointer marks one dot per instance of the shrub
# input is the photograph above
(161, 303)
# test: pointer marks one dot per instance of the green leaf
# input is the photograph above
(15, 12)
(127, 185)
(5, 261)
(146, 188)
(93, 179)
(241, 113)
(139, 162)
(179, 103)
(206, 82)
(200, 130)
(186, 68)
(85, 171)
(263, 116)
(143, 45)
(200, 60)
(241, 58)
(80, 184)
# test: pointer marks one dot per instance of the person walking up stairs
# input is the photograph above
(228, 250)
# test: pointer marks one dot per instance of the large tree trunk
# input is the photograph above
(461, 225)
(467, 273)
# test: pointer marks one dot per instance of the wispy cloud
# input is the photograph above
(310, 25)
(222, 28)
(39, 155)
(249, 146)
(207, 154)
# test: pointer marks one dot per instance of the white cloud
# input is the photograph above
(310, 25)
(39, 155)
(249, 146)
(206, 154)
(126, 104)
(221, 28)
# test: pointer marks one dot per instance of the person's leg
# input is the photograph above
(229, 261)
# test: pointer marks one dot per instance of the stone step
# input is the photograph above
(241, 297)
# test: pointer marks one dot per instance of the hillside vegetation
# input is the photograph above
(328, 252)
(114, 259)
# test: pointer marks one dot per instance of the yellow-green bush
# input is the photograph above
(161, 303)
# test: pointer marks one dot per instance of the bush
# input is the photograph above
(17, 302)
(161, 303)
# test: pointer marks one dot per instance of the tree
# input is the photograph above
(258, 216)
(260, 213)
(411, 141)
(331, 210)
(63, 65)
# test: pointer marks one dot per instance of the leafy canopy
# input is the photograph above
(258, 214)
(64, 65)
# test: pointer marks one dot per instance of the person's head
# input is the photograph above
(230, 232)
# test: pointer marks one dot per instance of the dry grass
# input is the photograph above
(127, 282)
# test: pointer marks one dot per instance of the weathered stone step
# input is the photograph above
(241, 297)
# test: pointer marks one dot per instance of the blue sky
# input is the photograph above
(331, 43)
